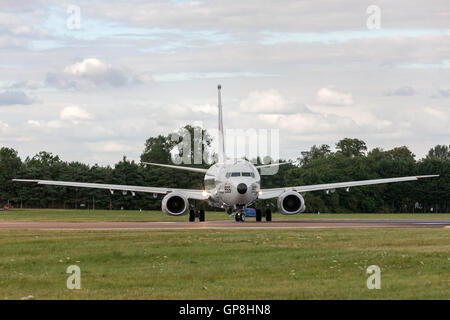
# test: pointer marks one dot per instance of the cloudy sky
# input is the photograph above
(92, 87)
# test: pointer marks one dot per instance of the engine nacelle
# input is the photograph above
(175, 204)
(291, 202)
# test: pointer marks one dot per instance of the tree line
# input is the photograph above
(351, 161)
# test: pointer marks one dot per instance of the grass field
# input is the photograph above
(150, 216)
(222, 264)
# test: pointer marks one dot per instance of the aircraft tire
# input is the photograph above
(268, 215)
(191, 215)
(201, 216)
(258, 215)
(239, 217)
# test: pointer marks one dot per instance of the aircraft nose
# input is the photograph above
(242, 188)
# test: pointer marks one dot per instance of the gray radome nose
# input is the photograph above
(242, 188)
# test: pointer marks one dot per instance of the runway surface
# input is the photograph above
(310, 224)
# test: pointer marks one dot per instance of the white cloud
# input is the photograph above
(268, 102)
(331, 97)
(205, 43)
(24, 84)
(205, 108)
(22, 30)
(90, 73)
(110, 146)
(14, 97)
(402, 91)
(52, 124)
(9, 42)
(3, 126)
(439, 115)
(282, 15)
(441, 93)
(361, 117)
(34, 123)
(75, 114)
(55, 124)
(88, 67)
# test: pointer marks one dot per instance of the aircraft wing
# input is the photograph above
(276, 192)
(190, 193)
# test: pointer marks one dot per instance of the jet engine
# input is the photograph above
(175, 204)
(291, 202)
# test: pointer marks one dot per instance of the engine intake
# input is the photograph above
(175, 204)
(291, 202)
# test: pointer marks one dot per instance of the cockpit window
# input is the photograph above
(238, 174)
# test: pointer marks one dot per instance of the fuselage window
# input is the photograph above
(235, 174)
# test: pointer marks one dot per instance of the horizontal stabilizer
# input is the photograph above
(271, 165)
(176, 167)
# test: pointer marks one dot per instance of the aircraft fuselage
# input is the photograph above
(234, 183)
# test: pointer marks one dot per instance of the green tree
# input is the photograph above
(439, 152)
(10, 165)
(315, 152)
(351, 147)
(157, 149)
(318, 165)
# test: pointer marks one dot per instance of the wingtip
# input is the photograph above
(428, 176)
(24, 180)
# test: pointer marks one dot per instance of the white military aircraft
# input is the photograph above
(230, 184)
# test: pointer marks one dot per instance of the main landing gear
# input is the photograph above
(196, 213)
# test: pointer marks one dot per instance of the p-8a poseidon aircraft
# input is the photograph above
(232, 185)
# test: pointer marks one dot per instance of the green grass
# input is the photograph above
(117, 215)
(226, 264)
(222, 264)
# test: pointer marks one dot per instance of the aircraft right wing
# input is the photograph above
(190, 193)
(276, 192)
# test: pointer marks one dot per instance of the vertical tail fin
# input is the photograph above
(221, 134)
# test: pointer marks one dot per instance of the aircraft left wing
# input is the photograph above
(190, 193)
(276, 192)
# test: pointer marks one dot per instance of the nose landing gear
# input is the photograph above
(240, 216)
